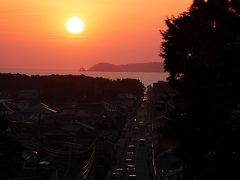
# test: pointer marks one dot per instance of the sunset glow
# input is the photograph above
(119, 89)
(33, 34)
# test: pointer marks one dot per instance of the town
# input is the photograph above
(115, 137)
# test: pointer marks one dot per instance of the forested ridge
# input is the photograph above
(63, 87)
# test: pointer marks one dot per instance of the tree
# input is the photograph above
(200, 49)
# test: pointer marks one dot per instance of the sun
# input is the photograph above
(75, 25)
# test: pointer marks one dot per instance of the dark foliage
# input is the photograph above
(201, 52)
(69, 87)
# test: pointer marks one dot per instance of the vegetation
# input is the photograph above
(70, 87)
(201, 52)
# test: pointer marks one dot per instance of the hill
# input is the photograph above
(105, 67)
(138, 67)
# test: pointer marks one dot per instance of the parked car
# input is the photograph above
(118, 173)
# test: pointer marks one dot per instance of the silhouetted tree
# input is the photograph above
(201, 52)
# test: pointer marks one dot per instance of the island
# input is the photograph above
(137, 67)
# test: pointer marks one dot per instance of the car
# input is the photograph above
(44, 163)
(131, 148)
(132, 177)
(129, 160)
(120, 170)
(130, 154)
(142, 142)
(131, 170)
(131, 165)
(118, 173)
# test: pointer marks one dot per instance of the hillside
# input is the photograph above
(138, 67)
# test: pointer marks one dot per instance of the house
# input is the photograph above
(5, 109)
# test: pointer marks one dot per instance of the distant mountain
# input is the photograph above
(138, 67)
(105, 67)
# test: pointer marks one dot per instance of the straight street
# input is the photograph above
(134, 156)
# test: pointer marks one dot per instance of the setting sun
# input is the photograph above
(65, 34)
(75, 25)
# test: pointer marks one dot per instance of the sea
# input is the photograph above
(147, 78)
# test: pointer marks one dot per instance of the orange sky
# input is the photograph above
(33, 35)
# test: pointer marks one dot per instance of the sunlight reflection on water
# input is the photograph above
(147, 78)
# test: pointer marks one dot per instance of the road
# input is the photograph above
(136, 129)
(142, 160)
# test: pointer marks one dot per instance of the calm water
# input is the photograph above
(146, 78)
